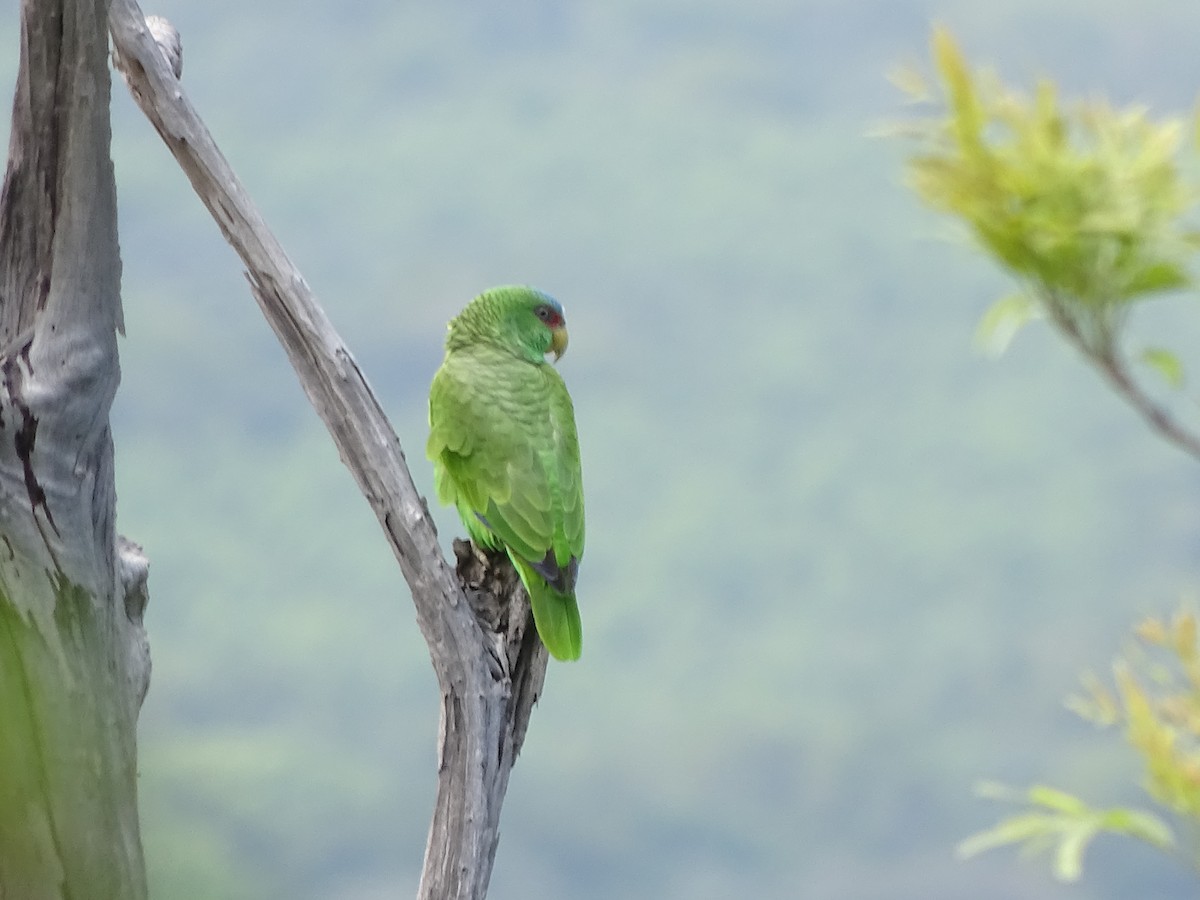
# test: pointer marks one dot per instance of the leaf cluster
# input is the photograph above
(1155, 699)
(1086, 205)
(1062, 825)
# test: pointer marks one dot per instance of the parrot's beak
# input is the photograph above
(558, 342)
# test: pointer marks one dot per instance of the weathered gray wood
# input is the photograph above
(488, 660)
(74, 663)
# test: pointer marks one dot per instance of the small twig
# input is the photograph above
(1113, 369)
(1103, 355)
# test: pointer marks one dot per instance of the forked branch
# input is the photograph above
(489, 667)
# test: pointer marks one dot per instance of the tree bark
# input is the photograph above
(74, 664)
(485, 652)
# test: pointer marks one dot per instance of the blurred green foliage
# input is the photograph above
(1086, 206)
(837, 565)
(1090, 211)
(1155, 699)
(1063, 824)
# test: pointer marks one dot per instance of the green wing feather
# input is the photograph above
(505, 453)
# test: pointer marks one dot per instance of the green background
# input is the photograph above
(839, 567)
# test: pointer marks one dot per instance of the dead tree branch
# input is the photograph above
(74, 664)
(490, 669)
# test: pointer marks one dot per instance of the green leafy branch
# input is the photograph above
(1086, 207)
(1062, 825)
(1155, 698)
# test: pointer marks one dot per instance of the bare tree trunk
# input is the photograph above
(74, 664)
(488, 659)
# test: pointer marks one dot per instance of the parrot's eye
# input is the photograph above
(548, 315)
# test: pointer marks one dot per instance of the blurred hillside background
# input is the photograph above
(839, 565)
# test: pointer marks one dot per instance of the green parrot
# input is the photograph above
(505, 453)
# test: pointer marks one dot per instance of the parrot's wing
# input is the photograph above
(568, 540)
(507, 451)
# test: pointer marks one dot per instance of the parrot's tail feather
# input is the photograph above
(557, 618)
(555, 614)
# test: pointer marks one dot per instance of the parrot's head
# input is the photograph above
(550, 314)
(525, 321)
